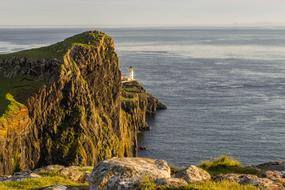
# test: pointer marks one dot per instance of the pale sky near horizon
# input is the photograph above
(142, 12)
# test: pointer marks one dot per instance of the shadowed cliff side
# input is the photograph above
(62, 104)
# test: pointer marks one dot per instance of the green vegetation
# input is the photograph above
(12, 107)
(13, 91)
(39, 183)
(226, 164)
(224, 185)
(57, 50)
(147, 184)
(22, 87)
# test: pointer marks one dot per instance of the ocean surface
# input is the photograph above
(224, 88)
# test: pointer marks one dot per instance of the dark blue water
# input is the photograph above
(224, 88)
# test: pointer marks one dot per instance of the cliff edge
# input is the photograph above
(65, 104)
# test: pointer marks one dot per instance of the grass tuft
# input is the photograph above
(226, 164)
(39, 183)
(223, 185)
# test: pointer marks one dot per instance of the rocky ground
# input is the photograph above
(145, 173)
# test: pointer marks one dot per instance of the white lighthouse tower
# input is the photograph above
(131, 76)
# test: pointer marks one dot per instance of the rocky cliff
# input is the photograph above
(65, 104)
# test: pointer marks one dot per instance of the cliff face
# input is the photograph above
(62, 104)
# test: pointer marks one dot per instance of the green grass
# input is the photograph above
(147, 184)
(226, 164)
(224, 185)
(86, 39)
(13, 93)
(39, 183)
(12, 107)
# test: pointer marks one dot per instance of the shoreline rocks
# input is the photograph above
(134, 173)
(128, 174)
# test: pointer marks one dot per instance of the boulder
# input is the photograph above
(246, 179)
(126, 173)
(74, 173)
(193, 174)
(273, 166)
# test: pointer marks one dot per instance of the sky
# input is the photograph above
(142, 12)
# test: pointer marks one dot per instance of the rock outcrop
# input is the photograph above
(138, 104)
(262, 183)
(130, 174)
(193, 174)
(64, 104)
(73, 173)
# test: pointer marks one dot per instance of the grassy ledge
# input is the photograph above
(40, 183)
(12, 107)
(86, 39)
(226, 164)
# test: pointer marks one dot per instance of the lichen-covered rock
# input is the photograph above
(62, 104)
(126, 173)
(171, 182)
(246, 179)
(20, 176)
(193, 174)
(74, 173)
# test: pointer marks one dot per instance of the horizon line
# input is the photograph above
(148, 26)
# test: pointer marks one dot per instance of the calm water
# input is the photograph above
(224, 88)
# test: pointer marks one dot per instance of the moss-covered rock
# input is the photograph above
(138, 104)
(64, 105)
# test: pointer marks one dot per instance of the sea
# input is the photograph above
(224, 87)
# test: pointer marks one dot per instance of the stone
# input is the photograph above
(57, 187)
(20, 176)
(126, 173)
(246, 179)
(55, 169)
(74, 173)
(171, 182)
(273, 166)
(276, 176)
(193, 174)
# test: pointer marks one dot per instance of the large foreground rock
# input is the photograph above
(126, 173)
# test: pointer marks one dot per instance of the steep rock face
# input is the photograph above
(64, 106)
(139, 104)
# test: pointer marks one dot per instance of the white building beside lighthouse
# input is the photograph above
(131, 76)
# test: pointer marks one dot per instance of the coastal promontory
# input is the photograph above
(66, 104)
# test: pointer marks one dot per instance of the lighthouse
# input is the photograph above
(131, 74)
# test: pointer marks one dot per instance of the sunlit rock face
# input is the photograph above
(63, 104)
